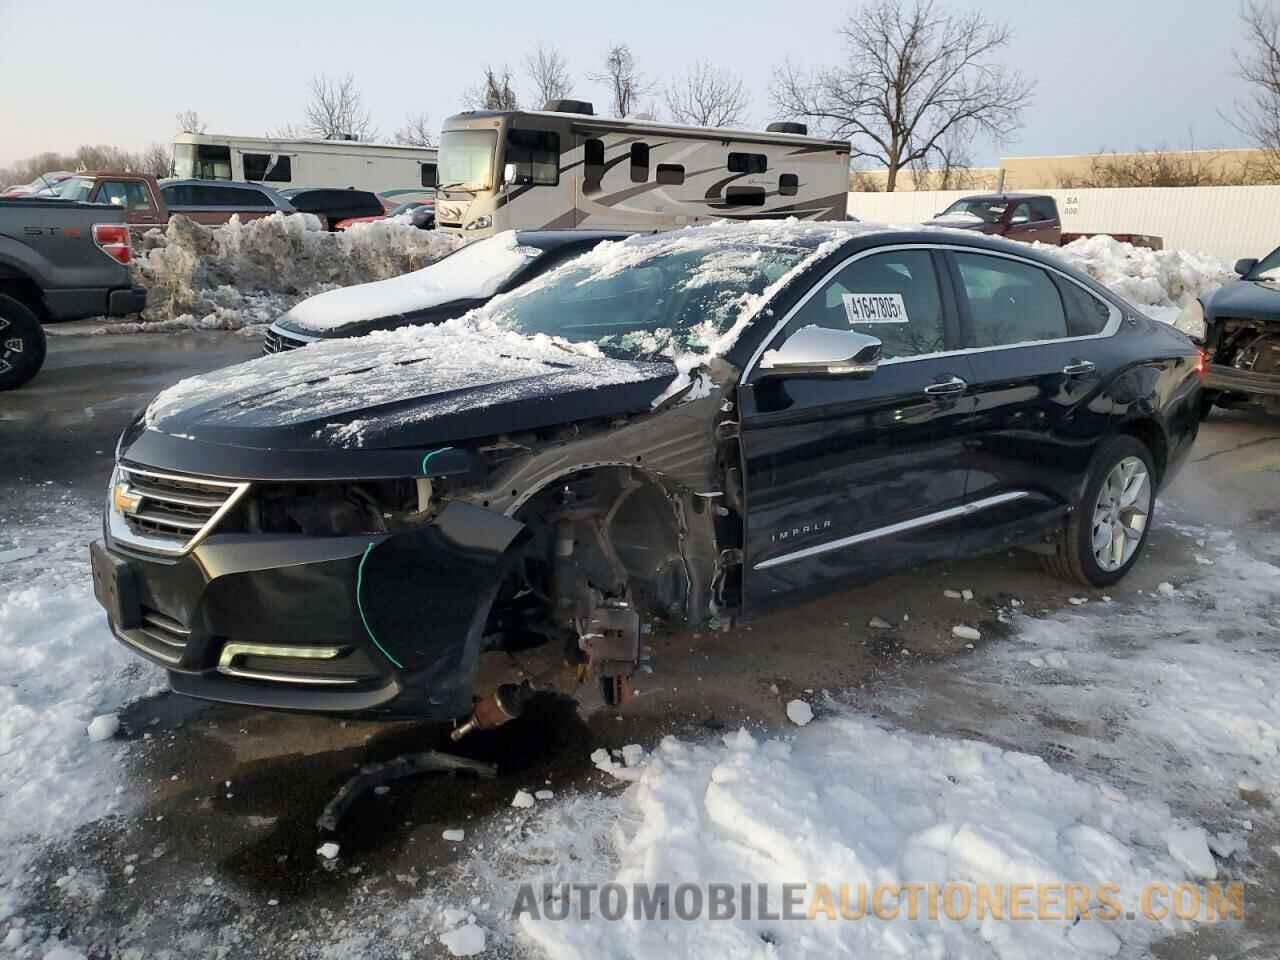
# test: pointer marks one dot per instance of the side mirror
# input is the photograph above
(1245, 267)
(509, 174)
(1020, 219)
(822, 352)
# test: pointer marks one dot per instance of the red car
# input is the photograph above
(422, 214)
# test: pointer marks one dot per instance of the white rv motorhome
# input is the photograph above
(397, 172)
(564, 167)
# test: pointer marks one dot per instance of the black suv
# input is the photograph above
(682, 427)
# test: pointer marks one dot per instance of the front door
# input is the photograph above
(848, 478)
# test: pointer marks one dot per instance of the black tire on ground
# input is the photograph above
(1074, 559)
(22, 344)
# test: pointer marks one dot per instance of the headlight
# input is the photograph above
(1191, 321)
(483, 222)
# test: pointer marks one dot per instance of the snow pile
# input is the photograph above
(474, 272)
(64, 678)
(1164, 279)
(241, 274)
(850, 801)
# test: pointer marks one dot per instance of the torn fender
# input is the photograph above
(424, 597)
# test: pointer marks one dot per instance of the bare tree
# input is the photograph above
(913, 76)
(549, 74)
(707, 97)
(335, 111)
(417, 131)
(626, 83)
(494, 92)
(1258, 65)
(1156, 168)
(189, 122)
(156, 160)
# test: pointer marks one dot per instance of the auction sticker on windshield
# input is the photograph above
(875, 308)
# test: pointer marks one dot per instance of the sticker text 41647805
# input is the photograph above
(875, 308)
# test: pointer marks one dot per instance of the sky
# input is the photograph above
(1118, 75)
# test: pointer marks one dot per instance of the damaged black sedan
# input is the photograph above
(681, 428)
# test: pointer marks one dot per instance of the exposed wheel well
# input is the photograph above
(24, 290)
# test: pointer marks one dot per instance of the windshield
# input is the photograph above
(74, 188)
(1268, 267)
(637, 304)
(466, 159)
(988, 211)
(203, 161)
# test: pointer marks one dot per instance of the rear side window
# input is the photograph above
(176, 196)
(1010, 302)
(536, 154)
(1043, 209)
(671, 173)
(268, 168)
(788, 185)
(129, 194)
(748, 163)
(892, 296)
(639, 162)
(592, 165)
(1087, 314)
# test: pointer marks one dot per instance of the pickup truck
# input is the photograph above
(59, 260)
(1029, 217)
(146, 202)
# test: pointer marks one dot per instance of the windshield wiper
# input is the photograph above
(461, 185)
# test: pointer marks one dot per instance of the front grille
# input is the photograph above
(274, 342)
(160, 635)
(165, 513)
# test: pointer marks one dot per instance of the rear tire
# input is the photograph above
(1107, 531)
(22, 343)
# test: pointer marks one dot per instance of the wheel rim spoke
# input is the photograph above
(1120, 514)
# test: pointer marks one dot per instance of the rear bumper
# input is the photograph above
(94, 302)
(386, 625)
(1230, 380)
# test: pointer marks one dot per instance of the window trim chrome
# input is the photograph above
(902, 526)
(1110, 330)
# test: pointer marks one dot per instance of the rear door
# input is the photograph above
(855, 478)
(1039, 347)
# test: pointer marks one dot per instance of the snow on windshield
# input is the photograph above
(473, 272)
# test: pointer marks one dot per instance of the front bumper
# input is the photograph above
(1231, 380)
(382, 625)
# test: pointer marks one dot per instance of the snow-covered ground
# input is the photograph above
(1157, 713)
(62, 669)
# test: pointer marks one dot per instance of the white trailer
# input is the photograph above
(397, 172)
(564, 168)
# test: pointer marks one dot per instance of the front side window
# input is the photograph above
(536, 155)
(1043, 209)
(1010, 302)
(466, 159)
(268, 167)
(892, 296)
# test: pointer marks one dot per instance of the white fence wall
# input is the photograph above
(1228, 222)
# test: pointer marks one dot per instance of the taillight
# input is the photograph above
(113, 238)
(1200, 364)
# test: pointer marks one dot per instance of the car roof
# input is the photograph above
(1008, 196)
(555, 239)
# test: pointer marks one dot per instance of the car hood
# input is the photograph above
(1251, 299)
(373, 406)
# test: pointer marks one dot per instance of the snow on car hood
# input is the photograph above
(473, 272)
(450, 382)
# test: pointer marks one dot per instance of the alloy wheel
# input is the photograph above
(1121, 513)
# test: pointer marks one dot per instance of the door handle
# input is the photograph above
(951, 387)
(1078, 368)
